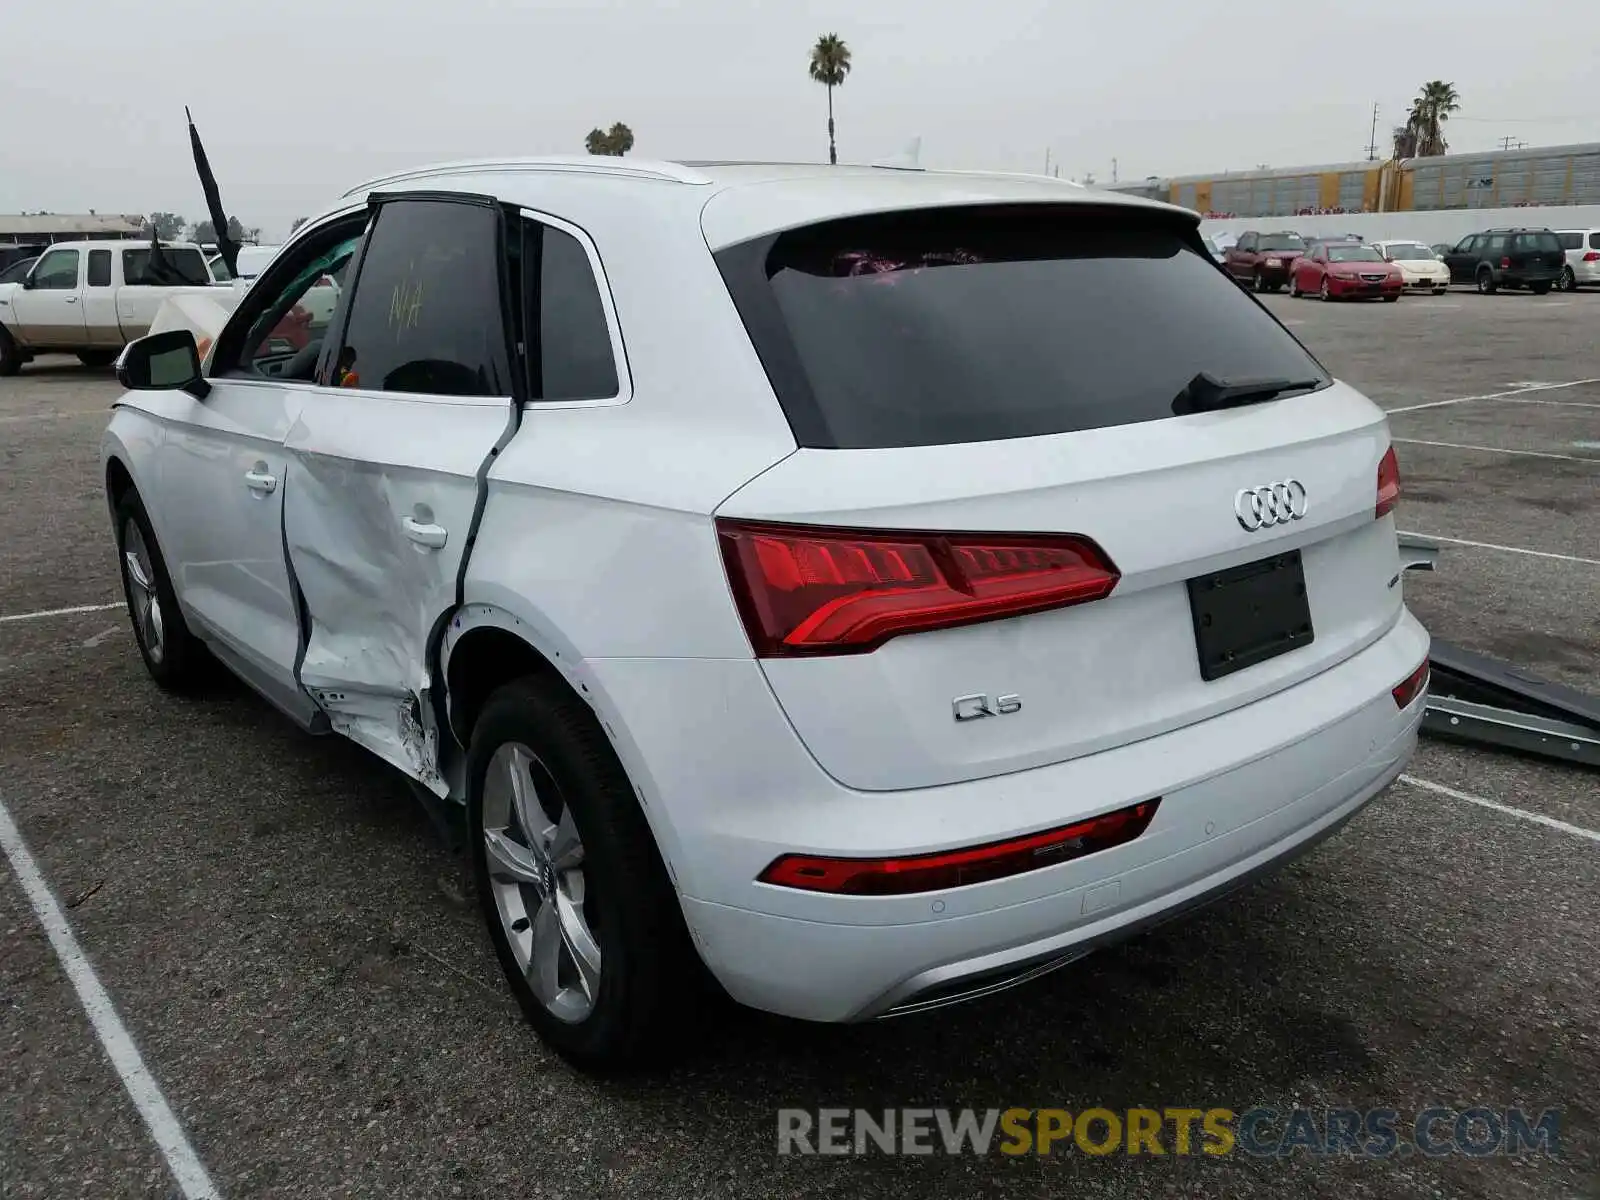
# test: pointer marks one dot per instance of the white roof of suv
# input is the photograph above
(743, 200)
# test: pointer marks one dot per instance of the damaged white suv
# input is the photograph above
(880, 587)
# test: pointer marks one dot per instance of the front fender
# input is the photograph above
(133, 439)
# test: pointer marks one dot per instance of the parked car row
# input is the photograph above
(1348, 265)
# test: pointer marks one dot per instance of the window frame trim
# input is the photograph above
(619, 350)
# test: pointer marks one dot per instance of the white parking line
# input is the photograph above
(143, 1090)
(1498, 450)
(65, 415)
(1516, 391)
(59, 612)
(1572, 558)
(1551, 403)
(1428, 785)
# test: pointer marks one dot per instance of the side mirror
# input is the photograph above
(27, 282)
(162, 362)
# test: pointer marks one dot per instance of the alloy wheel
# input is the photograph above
(142, 594)
(535, 859)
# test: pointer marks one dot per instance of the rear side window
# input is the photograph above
(979, 324)
(574, 360)
(1571, 241)
(174, 267)
(1538, 243)
(99, 272)
(426, 316)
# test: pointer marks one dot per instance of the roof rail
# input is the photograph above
(584, 164)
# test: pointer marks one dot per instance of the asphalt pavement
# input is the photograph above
(277, 929)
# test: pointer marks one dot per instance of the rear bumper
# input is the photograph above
(1241, 793)
(1587, 273)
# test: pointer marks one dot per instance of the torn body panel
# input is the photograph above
(379, 516)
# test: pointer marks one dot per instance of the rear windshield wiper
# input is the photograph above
(1206, 393)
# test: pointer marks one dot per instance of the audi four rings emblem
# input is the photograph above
(1272, 504)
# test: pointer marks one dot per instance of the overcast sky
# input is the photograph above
(299, 99)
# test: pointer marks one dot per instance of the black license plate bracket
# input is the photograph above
(1250, 613)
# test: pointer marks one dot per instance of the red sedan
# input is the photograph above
(1336, 270)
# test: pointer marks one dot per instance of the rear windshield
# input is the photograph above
(1282, 241)
(965, 325)
(1571, 241)
(1537, 242)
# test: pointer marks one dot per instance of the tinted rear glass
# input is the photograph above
(963, 325)
(1282, 241)
(1571, 241)
(181, 266)
(1545, 242)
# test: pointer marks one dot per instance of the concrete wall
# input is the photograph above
(1428, 227)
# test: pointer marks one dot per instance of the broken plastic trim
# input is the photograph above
(1481, 701)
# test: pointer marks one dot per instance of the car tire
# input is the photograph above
(1568, 281)
(1391, 299)
(175, 658)
(1439, 291)
(1323, 293)
(97, 358)
(10, 356)
(614, 908)
(1258, 283)
(1540, 289)
(1486, 282)
(1294, 288)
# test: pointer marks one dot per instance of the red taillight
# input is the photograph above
(1388, 482)
(958, 868)
(806, 590)
(1505, 264)
(1412, 686)
(1592, 256)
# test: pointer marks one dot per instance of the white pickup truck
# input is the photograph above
(92, 298)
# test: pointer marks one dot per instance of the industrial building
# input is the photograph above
(1554, 175)
(44, 228)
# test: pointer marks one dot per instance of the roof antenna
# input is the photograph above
(908, 159)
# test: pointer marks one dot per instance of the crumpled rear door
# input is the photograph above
(386, 468)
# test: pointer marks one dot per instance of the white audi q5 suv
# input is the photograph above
(876, 587)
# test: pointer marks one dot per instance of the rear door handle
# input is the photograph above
(260, 481)
(71, 299)
(431, 536)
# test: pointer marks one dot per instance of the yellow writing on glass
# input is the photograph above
(405, 304)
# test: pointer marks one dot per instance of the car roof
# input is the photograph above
(738, 201)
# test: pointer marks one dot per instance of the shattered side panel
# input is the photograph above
(370, 475)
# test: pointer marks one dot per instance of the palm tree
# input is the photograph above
(1429, 112)
(616, 141)
(1405, 140)
(830, 63)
